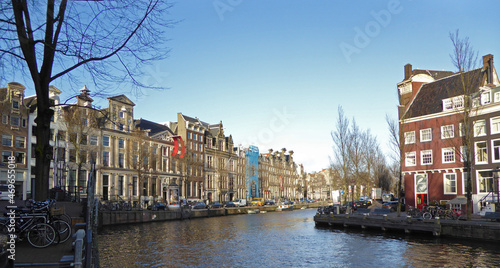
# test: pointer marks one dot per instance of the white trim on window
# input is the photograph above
(426, 157)
(495, 125)
(410, 137)
(448, 155)
(426, 135)
(411, 159)
(495, 151)
(447, 132)
(479, 128)
(481, 152)
(450, 183)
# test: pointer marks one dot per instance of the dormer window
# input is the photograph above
(485, 98)
(453, 103)
(15, 104)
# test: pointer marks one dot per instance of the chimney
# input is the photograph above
(408, 71)
(488, 67)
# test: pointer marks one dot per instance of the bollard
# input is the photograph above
(385, 217)
(408, 219)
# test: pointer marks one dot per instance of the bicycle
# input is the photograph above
(38, 233)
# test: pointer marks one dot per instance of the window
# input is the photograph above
(481, 153)
(425, 135)
(495, 145)
(461, 129)
(189, 135)
(453, 103)
(6, 140)
(485, 98)
(450, 183)
(5, 119)
(120, 185)
(497, 96)
(19, 157)
(495, 125)
(463, 152)
(105, 158)
(105, 141)
(426, 157)
(448, 155)
(15, 104)
(5, 156)
(194, 136)
(210, 161)
(83, 156)
(479, 128)
(120, 127)
(72, 155)
(121, 143)
(121, 160)
(409, 138)
(23, 122)
(447, 104)
(485, 181)
(122, 115)
(134, 186)
(84, 139)
(411, 159)
(14, 121)
(20, 142)
(61, 135)
(447, 132)
(458, 102)
(93, 140)
(84, 122)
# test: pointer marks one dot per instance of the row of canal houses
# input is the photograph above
(136, 159)
(437, 125)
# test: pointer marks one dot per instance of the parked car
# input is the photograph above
(230, 204)
(393, 205)
(362, 203)
(269, 203)
(157, 206)
(200, 205)
(216, 205)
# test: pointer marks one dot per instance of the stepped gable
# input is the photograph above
(429, 99)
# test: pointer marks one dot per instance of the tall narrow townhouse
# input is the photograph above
(14, 131)
(432, 125)
(191, 165)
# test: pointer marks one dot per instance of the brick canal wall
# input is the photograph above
(475, 229)
(108, 218)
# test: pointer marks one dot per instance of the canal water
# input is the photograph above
(280, 239)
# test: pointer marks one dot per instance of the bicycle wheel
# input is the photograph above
(63, 231)
(41, 235)
(427, 216)
(63, 217)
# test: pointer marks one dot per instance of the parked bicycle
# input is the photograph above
(32, 227)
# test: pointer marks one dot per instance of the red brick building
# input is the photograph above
(431, 121)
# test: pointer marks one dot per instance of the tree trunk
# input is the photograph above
(44, 151)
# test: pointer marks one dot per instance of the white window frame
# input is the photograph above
(478, 154)
(479, 128)
(423, 155)
(447, 132)
(446, 178)
(410, 137)
(458, 102)
(485, 97)
(496, 96)
(448, 153)
(493, 159)
(447, 104)
(495, 125)
(426, 135)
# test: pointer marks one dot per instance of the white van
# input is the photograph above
(240, 202)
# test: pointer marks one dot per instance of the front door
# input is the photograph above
(421, 201)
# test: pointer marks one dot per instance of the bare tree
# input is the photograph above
(341, 141)
(107, 41)
(465, 59)
(396, 132)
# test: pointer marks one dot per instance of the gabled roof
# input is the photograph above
(122, 98)
(429, 99)
(152, 126)
(195, 120)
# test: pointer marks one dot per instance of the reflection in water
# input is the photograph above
(285, 239)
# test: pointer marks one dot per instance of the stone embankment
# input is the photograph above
(109, 218)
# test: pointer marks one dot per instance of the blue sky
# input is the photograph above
(275, 72)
